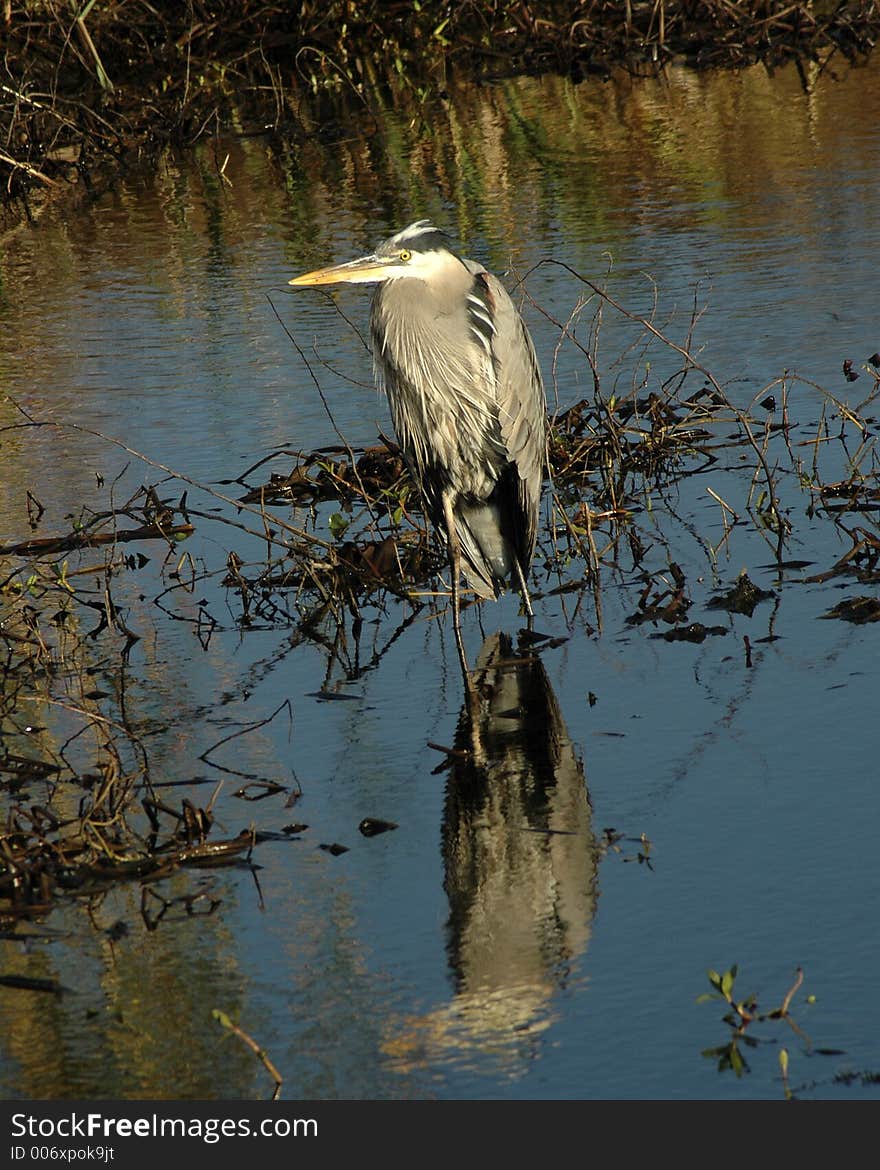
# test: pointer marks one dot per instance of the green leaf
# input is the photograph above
(338, 524)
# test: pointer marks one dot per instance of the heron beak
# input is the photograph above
(363, 271)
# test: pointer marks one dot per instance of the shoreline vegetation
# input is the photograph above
(86, 88)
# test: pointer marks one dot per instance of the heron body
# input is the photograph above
(459, 369)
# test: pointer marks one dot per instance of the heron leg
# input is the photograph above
(524, 591)
(455, 570)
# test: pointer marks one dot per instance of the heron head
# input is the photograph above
(419, 252)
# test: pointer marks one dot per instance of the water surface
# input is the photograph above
(470, 953)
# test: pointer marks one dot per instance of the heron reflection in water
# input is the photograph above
(520, 871)
(459, 369)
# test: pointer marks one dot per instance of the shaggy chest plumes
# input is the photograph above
(442, 394)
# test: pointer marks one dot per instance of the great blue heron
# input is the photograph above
(459, 369)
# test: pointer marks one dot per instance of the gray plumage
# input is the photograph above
(458, 366)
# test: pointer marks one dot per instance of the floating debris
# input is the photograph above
(32, 983)
(695, 632)
(848, 372)
(259, 790)
(667, 603)
(856, 609)
(742, 598)
(86, 538)
(372, 826)
(331, 697)
(528, 637)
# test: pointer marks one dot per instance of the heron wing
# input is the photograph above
(522, 417)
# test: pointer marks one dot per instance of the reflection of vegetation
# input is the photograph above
(88, 762)
(225, 1022)
(83, 90)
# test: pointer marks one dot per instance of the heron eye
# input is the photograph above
(405, 254)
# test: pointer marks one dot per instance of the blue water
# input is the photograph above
(568, 968)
